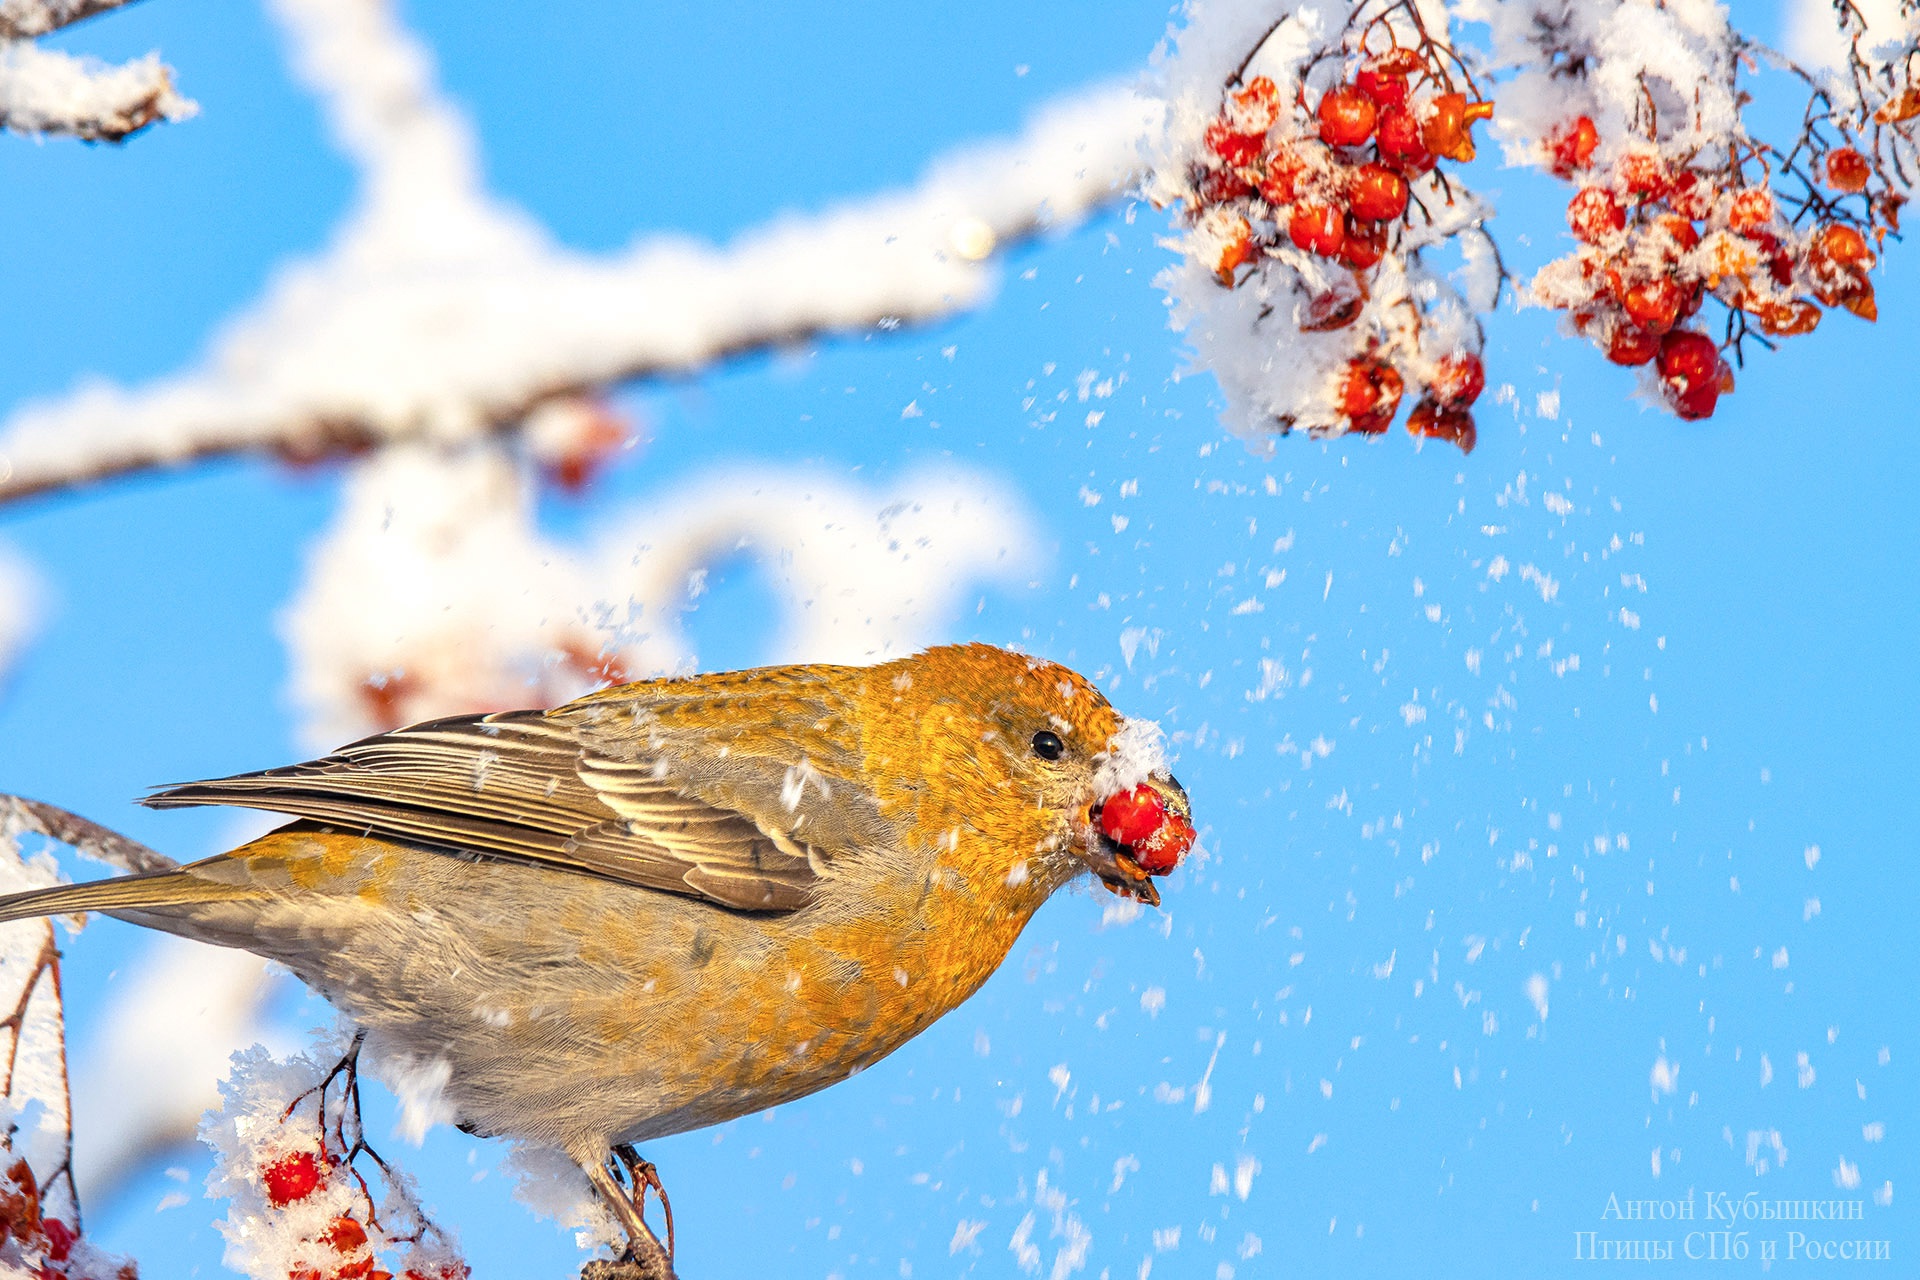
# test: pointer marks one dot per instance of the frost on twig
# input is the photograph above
(40, 1230)
(440, 312)
(46, 92)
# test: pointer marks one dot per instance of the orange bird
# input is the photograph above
(675, 902)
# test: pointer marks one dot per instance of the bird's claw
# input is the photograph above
(642, 1175)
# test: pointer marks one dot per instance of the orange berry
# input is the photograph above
(1317, 228)
(1847, 170)
(1235, 253)
(1654, 305)
(1347, 116)
(1692, 372)
(1751, 210)
(1680, 230)
(1255, 107)
(1572, 148)
(1448, 128)
(1787, 319)
(1378, 194)
(1843, 246)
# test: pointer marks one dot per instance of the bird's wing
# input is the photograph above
(566, 792)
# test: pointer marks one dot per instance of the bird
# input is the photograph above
(674, 902)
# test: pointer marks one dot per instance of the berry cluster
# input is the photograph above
(337, 1245)
(1660, 233)
(1343, 192)
(37, 1244)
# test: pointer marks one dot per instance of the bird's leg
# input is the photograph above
(640, 1175)
(641, 1242)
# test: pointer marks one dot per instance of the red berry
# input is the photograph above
(1378, 194)
(1847, 170)
(1692, 372)
(1644, 174)
(1218, 186)
(60, 1238)
(1365, 244)
(1457, 380)
(1572, 148)
(1347, 116)
(291, 1178)
(1370, 393)
(1752, 209)
(1384, 87)
(1433, 422)
(1631, 346)
(1139, 820)
(1689, 197)
(1654, 305)
(1280, 180)
(1400, 144)
(1254, 109)
(1317, 228)
(1234, 147)
(1594, 214)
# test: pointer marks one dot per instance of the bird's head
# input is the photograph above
(1031, 755)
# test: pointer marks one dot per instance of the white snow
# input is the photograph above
(439, 311)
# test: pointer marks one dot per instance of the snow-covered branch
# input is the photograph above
(43, 91)
(440, 312)
(25, 19)
(435, 593)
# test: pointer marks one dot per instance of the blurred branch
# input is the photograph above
(89, 838)
(44, 92)
(25, 19)
(441, 313)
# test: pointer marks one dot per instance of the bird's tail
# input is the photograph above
(125, 893)
(156, 882)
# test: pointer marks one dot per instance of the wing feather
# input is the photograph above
(523, 786)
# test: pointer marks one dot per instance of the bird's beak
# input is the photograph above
(1138, 834)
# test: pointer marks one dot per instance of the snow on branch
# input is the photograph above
(46, 92)
(25, 19)
(440, 312)
(435, 593)
(40, 1230)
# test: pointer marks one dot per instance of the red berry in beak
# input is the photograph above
(1139, 820)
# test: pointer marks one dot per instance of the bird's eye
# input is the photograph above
(1047, 745)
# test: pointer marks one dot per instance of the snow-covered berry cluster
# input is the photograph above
(36, 1241)
(1659, 235)
(288, 1148)
(1311, 190)
(1315, 173)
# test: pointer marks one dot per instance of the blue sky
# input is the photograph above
(1449, 1131)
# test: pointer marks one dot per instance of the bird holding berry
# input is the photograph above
(675, 902)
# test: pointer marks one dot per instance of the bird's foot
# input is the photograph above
(641, 1175)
